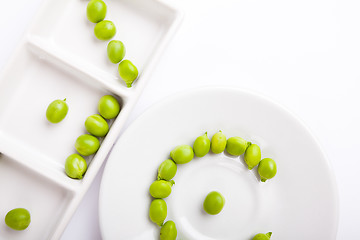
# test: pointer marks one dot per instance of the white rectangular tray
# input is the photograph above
(59, 57)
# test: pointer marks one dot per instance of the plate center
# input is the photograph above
(214, 172)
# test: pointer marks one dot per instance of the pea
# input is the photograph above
(108, 107)
(75, 166)
(18, 219)
(96, 125)
(262, 236)
(158, 211)
(167, 170)
(128, 72)
(218, 142)
(96, 11)
(105, 30)
(202, 145)
(168, 231)
(87, 144)
(116, 51)
(236, 146)
(161, 188)
(214, 203)
(267, 169)
(57, 111)
(252, 156)
(182, 154)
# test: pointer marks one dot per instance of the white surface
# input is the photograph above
(303, 54)
(282, 204)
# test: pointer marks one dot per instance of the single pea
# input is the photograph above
(168, 231)
(218, 142)
(128, 72)
(18, 219)
(108, 107)
(105, 30)
(57, 111)
(262, 236)
(236, 146)
(96, 11)
(214, 203)
(182, 154)
(75, 166)
(252, 156)
(87, 144)
(202, 145)
(167, 170)
(161, 188)
(267, 169)
(116, 51)
(96, 125)
(158, 211)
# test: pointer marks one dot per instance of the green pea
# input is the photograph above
(57, 111)
(116, 51)
(252, 156)
(202, 145)
(168, 231)
(18, 219)
(267, 169)
(161, 188)
(167, 170)
(262, 236)
(214, 203)
(75, 166)
(128, 72)
(236, 146)
(105, 30)
(87, 144)
(96, 125)
(158, 211)
(96, 11)
(108, 107)
(182, 154)
(218, 142)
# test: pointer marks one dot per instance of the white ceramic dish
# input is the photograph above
(299, 203)
(59, 57)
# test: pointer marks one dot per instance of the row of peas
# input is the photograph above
(105, 30)
(214, 201)
(237, 146)
(88, 144)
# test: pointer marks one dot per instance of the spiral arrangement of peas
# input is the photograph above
(105, 30)
(214, 201)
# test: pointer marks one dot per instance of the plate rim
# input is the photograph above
(238, 90)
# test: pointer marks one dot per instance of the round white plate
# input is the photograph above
(299, 203)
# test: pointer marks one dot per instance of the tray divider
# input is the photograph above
(50, 52)
(37, 163)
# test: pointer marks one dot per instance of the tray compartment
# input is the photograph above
(141, 26)
(45, 200)
(25, 96)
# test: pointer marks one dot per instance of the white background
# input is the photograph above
(303, 54)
